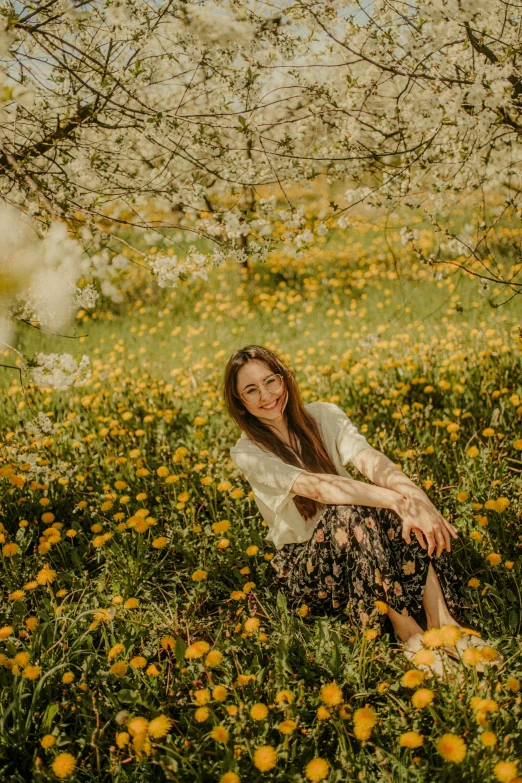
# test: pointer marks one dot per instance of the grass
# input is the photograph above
(132, 527)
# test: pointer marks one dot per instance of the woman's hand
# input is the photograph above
(420, 515)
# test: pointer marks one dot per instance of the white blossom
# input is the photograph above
(61, 371)
(86, 297)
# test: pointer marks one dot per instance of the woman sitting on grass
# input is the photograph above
(342, 544)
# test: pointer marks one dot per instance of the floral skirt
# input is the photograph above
(357, 556)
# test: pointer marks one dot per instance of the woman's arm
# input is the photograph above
(415, 508)
(339, 490)
(376, 466)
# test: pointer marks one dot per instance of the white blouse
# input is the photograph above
(271, 478)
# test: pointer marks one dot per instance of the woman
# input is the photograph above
(342, 544)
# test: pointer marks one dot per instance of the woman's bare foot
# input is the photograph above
(404, 627)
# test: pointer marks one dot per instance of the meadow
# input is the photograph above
(140, 639)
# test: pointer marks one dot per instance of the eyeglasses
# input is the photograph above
(273, 383)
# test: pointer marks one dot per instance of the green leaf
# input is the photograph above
(179, 650)
(335, 660)
(48, 716)
(281, 601)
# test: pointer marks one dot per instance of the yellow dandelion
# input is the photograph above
(331, 694)
(22, 658)
(137, 725)
(138, 662)
(423, 658)
(221, 527)
(202, 714)
(220, 734)
(10, 549)
(46, 577)
(265, 758)
(229, 777)
(303, 610)
(317, 769)
(251, 625)
(494, 559)
(473, 582)
(284, 697)
(67, 678)
(484, 705)
(422, 698)
(197, 650)
(323, 713)
(31, 672)
(159, 726)
(252, 550)
(471, 656)
(122, 739)
(214, 658)
(202, 696)
(501, 504)
(244, 679)
(411, 739)
(31, 623)
(364, 719)
(199, 575)
(450, 634)
(412, 678)
(512, 684)
(6, 631)
(452, 748)
(131, 603)
(488, 654)
(160, 542)
(119, 669)
(63, 765)
(488, 739)
(224, 485)
(506, 771)
(431, 638)
(258, 711)
(153, 670)
(116, 650)
(381, 607)
(287, 726)
(219, 693)
(168, 643)
(47, 741)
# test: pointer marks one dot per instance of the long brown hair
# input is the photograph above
(314, 456)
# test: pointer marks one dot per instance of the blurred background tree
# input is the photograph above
(187, 124)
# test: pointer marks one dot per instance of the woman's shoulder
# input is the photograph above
(244, 443)
(319, 408)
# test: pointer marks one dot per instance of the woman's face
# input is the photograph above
(270, 405)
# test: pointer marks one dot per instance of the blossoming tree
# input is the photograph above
(165, 115)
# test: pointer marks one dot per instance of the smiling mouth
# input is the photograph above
(273, 406)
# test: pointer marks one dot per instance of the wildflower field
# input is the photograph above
(139, 640)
